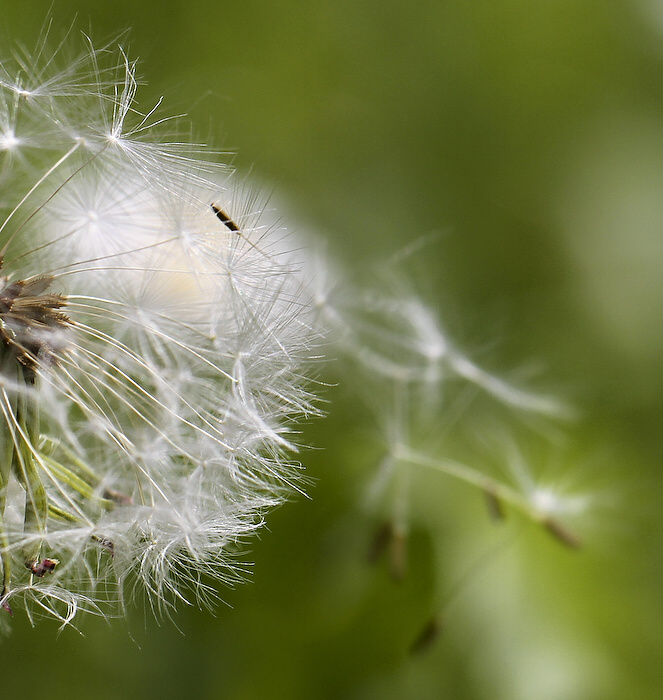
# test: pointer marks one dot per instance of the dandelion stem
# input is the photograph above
(25, 469)
(6, 454)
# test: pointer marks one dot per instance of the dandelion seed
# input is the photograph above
(427, 636)
(380, 541)
(420, 387)
(562, 533)
(223, 217)
(493, 503)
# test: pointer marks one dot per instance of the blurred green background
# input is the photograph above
(528, 136)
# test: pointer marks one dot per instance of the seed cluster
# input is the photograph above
(31, 322)
(154, 335)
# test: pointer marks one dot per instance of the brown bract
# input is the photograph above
(31, 322)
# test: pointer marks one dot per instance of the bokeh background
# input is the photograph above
(524, 140)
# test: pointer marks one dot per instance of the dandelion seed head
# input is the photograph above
(153, 354)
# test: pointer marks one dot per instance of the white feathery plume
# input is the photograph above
(151, 349)
(416, 381)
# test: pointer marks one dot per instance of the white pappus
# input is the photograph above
(152, 340)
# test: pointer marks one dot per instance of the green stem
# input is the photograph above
(7, 456)
(25, 469)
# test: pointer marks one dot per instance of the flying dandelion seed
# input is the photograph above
(150, 350)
